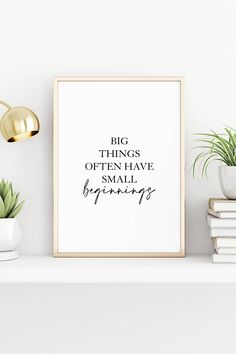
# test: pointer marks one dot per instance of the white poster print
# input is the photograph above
(118, 167)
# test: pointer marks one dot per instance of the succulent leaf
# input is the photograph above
(1, 187)
(12, 204)
(6, 189)
(7, 201)
(9, 206)
(2, 208)
(16, 210)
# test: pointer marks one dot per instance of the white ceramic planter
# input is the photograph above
(10, 234)
(227, 176)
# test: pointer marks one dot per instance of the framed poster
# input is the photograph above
(118, 167)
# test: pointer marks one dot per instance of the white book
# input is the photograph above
(222, 250)
(220, 223)
(220, 204)
(217, 232)
(225, 242)
(223, 258)
(222, 214)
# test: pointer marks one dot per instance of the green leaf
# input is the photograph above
(17, 197)
(231, 138)
(16, 210)
(198, 157)
(218, 150)
(11, 189)
(205, 165)
(13, 203)
(6, 189)
(7, 201)
(2, 185)
(2, 208)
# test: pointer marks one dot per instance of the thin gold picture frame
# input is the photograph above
(56, 253)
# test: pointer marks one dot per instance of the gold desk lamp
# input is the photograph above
(18, 123)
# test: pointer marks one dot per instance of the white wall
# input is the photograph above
(41, 39)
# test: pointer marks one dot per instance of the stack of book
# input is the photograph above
(222, 222)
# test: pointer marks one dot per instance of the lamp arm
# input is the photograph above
(2, 103)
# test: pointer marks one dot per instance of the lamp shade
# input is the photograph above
(19, 123)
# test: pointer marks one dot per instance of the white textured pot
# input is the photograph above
(10, 234)
(227, 176)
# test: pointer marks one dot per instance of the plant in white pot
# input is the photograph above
(10, 234)
(221, 148)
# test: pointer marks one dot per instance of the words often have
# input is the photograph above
(113, 166)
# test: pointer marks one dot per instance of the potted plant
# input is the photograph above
(10, 234)
(222, 148)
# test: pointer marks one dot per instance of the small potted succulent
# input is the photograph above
(220, 148)
(10, 234)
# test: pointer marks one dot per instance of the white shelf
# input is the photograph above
(46, 269)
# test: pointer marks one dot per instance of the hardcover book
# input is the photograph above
(223, 258)
(226, 242)
(222, 214)
(226, 232)
(220, 223)
(226, 250)
(220, 204)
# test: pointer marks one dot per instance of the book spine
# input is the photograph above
(222, 215)
(222, 258)
(219, 205)
(216, 232)
(223, 250)
(221, 223)
(228, 242)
